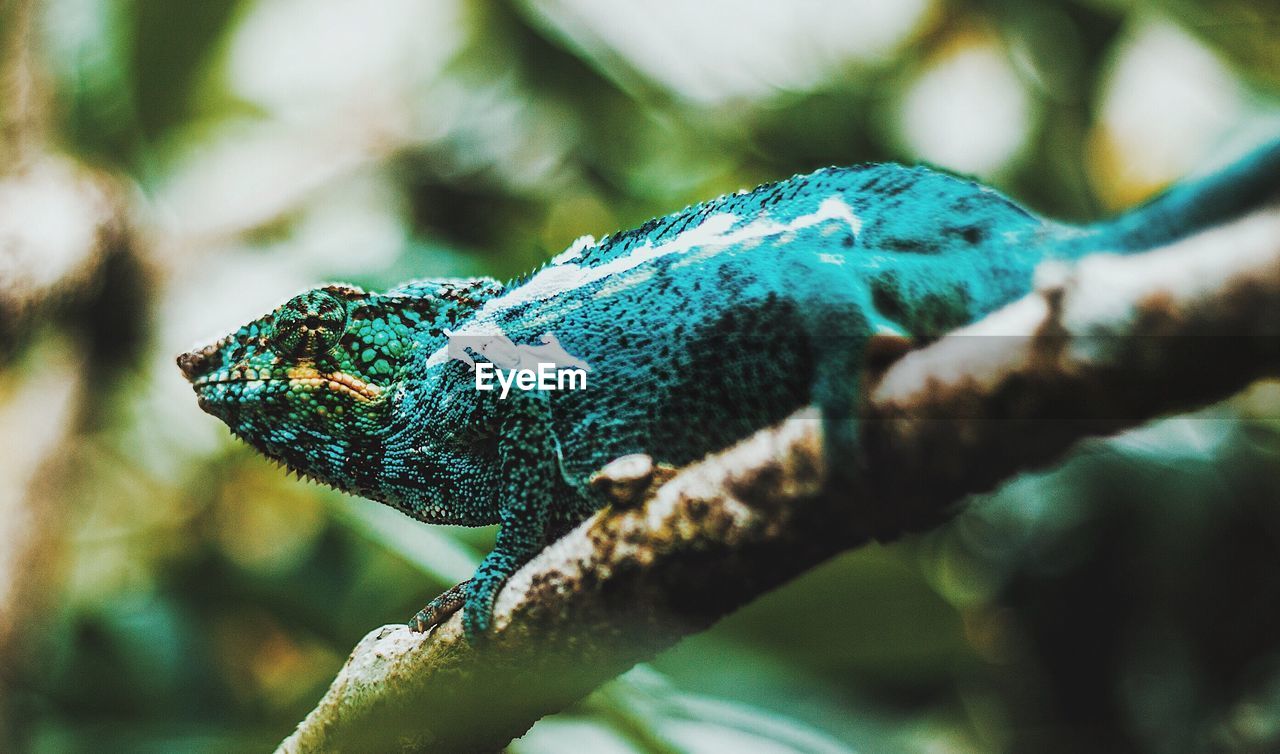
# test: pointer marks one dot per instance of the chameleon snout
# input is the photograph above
(190, 364)
(195, 364)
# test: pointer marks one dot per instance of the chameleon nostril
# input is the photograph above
(201, 361)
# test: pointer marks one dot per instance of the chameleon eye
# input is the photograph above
(309, 324)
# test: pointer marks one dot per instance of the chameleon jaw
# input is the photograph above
(338, 382)
(298, 376)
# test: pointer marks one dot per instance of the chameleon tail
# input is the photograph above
(1190, 207)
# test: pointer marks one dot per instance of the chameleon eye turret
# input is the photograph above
(309, 325)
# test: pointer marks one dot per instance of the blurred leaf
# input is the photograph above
(1245, 32)
(171, 43)
(429, 548)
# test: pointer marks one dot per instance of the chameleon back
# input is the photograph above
(710, 323)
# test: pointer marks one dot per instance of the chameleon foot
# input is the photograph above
(439, 609)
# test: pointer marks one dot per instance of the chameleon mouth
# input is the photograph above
(301, 474)
(301, 376)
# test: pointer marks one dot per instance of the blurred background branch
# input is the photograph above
(67, 276)
(1090, 352)
(25, 108)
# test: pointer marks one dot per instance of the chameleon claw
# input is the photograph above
(423, 622)
(439, 609)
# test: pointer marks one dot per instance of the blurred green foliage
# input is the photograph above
(1127, 600)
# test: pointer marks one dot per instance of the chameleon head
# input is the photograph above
(308, 384)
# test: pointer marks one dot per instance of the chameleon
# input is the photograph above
(693, 331)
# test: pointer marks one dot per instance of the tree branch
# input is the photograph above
(1100, 346)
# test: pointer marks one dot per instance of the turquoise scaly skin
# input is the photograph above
(698, 328)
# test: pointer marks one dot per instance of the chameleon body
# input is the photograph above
(697, 328)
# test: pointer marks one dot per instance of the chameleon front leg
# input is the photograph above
(527, 526)
(535, 503)
(521, 537)
(535, 497)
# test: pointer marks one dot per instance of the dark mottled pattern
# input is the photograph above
(689, 350)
